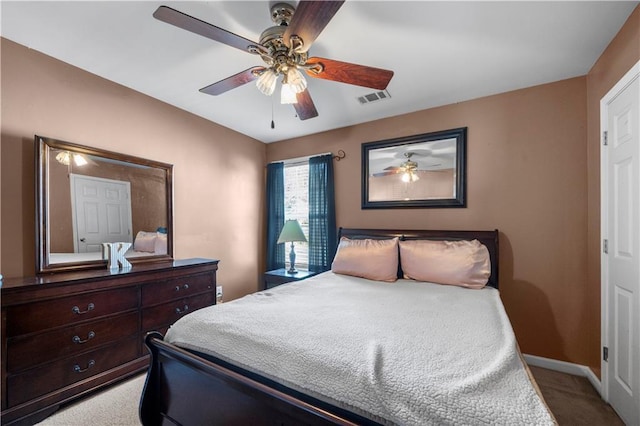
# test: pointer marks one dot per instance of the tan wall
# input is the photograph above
(526, 176)
(621, 54)
(218, 173)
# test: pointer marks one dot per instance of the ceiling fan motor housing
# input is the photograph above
(280, 56)
(409, 165)
(281, 13)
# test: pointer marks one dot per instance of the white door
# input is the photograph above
(621, 232)
(101, 211)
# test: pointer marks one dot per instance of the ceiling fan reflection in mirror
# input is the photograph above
(408, 169)
(284, 50)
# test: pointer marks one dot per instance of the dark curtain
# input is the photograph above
(275, 215)
(322, 213)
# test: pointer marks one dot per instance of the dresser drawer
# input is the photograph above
(178, 288)
(27, 351)
(49, 377)
(162, 315)
(32, 317)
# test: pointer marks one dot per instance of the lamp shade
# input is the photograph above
(267, 82)
(287, 95)
(296, 80)
(291, 231)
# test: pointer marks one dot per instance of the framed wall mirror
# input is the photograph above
(427, 170)
(88, 196)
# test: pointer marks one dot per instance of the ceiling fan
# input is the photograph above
(408, 169)
(284, 50)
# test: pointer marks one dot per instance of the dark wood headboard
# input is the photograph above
(488, 238)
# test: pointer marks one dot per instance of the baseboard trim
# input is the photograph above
(565, 367)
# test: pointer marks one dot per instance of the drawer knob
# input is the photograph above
(77, 368)
(77, 310)
(186, 287)
(77, 339)
(183, 310)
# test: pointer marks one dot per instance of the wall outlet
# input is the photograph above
(219, 294)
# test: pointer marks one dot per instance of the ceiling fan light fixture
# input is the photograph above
(79, 160)
(409, 167)
(266, 83)
(409, 177)
(287, 94)
(65, 157)
(296, 80)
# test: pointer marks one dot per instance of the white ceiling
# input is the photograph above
(441, 52)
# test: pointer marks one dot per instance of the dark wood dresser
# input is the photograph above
(67, 334)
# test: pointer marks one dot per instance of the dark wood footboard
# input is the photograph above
(184, 389)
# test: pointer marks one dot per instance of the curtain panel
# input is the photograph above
(275, 215)
(322, 213)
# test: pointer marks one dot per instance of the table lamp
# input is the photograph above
(291, 231)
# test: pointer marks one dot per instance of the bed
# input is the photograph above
(340, 348)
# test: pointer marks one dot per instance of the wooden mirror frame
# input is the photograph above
(43, 148)
(459, 178)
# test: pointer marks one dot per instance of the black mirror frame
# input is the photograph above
(42, 145)
(460, 201)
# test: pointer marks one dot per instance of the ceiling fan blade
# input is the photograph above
(305, 107)
(232, 82)
(195, 25)
(309, 20)
(389, 173)
(344, 72)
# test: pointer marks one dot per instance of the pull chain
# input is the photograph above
(273, 124)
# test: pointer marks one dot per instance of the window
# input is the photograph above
(296, 206)
(303, 190)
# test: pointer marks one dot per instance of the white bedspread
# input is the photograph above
(407, 353)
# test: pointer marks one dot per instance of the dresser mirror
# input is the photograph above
(87, 196)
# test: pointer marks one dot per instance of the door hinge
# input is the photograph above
(605, 246)
(605, 353)
(605, 138)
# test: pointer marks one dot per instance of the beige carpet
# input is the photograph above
(117, 406)
(572, 400)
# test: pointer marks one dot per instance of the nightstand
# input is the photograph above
(280, 276)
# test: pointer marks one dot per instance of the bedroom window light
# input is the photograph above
(296, 205)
